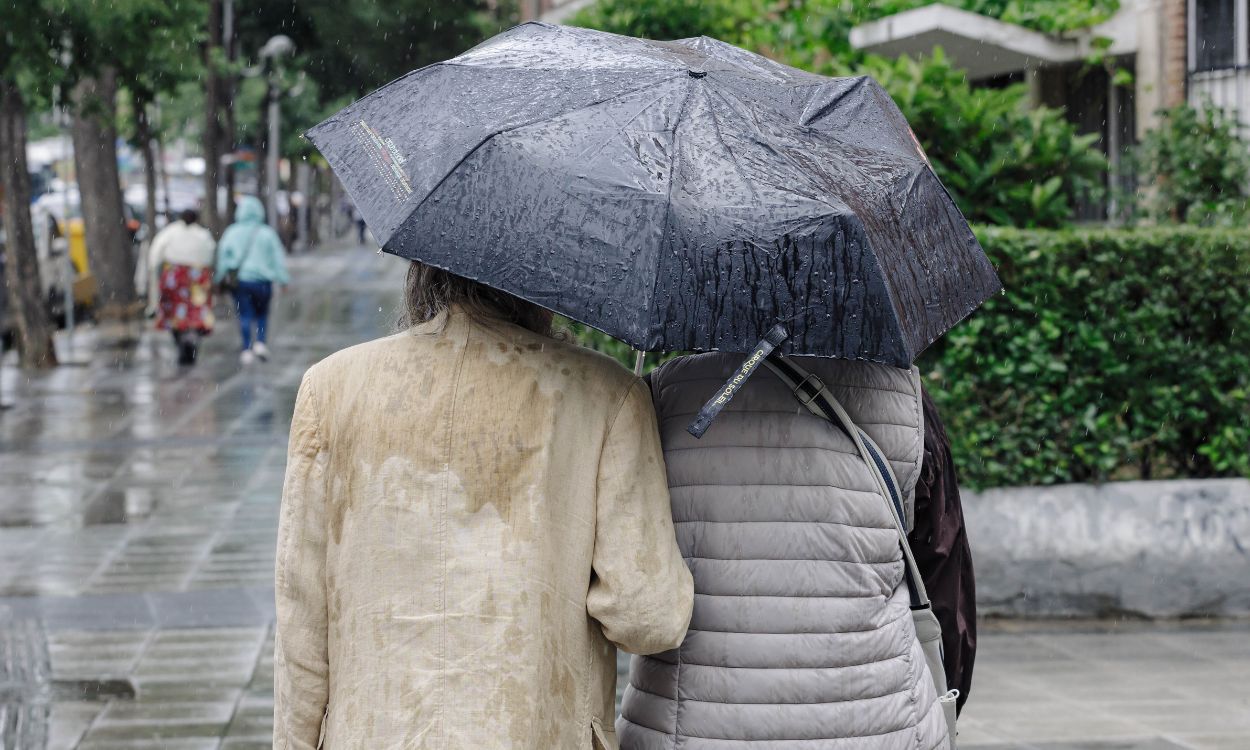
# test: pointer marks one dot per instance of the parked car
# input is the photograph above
(59, 230)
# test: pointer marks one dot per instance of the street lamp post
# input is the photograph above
(276, 47)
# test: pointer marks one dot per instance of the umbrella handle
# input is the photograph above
(721, 399)
(640, 359)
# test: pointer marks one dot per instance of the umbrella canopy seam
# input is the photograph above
(486, 139)
(668, 205)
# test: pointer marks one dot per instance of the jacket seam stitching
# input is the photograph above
(883, 626)
(680, 700)
(774, 739)
(770, 484)
(787, 668)
(804, 523)
(794, 596)
(791, 559)
(442, 535)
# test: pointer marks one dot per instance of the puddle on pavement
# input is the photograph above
(119, 506)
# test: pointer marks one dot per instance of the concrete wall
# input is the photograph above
(1155, 549)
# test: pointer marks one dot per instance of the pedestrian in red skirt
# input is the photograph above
(181, 264)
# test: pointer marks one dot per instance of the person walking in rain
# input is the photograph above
(180, 268)
(474, 518)
(801, 587)
(250, 261)
(811, 228)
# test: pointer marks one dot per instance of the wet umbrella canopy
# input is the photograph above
(683, 195)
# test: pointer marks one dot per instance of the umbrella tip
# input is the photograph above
(698, 73)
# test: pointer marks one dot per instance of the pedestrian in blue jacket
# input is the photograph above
(252, 248)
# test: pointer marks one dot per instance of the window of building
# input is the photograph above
(1215, 34)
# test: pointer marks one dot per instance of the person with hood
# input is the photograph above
(802, 633)
(474, 519)
(180, 269)
(250, 261)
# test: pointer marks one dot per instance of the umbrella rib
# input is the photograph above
(780, 152)
(485, 139)
(733, 159)
(668, 202)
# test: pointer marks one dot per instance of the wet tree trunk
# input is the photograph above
(164, 175)
(262, 155)
(143, 133)
(21, 267)
(109, 252)
(213, 100)
(230, 86)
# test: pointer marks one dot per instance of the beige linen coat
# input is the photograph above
(473, 515)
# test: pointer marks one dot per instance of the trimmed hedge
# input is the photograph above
(1112, 354)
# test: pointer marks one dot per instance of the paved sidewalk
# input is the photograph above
(138, 509)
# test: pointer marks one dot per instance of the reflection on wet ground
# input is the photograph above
(138, 510)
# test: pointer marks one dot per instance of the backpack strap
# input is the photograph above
(812, 393)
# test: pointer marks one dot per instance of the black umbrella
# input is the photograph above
(683, 195)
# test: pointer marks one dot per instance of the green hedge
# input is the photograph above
(1112, 354)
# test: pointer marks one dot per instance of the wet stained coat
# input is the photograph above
(473, 514)
(679, 195)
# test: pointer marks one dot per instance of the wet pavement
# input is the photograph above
(138, 511)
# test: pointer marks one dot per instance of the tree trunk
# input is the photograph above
(21, 265)
(109, 252)
(230, 89)
(213, 101)
(143, 134)
(262, 155)
(164, 174)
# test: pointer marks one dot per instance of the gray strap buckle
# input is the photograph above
(816, 386)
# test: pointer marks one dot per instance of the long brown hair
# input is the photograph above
(429, 291)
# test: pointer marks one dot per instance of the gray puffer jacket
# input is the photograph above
(801, 637)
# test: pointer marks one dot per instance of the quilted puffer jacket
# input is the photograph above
(801, 637)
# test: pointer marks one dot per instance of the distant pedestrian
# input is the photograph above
(251, 260)
(180, 288)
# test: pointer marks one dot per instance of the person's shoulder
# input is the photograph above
(570, 360)
(229, 233)
(333, 369)
(269, 231)
(704, 366)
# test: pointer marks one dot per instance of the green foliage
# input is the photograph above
(788, 26)
(351, 48)
(346, 49)
(148, 42)
(614, 348)
(1049, 16)
(1198, 167)
(1002, 162)
(29, 39)
(1113, 354)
